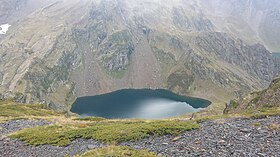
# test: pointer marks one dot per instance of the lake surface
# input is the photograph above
(276, 54)
(137, 103)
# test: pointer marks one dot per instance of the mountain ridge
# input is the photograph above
(84, 48)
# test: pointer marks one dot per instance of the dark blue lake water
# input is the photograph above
(137, 103)
(276, 54)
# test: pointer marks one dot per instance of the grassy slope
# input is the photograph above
(105, 131)
(64, 130)
(265, 99)
(10, 110)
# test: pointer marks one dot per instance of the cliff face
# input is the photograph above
(58, 50)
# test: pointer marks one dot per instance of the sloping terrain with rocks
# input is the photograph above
(221, 137)
(56, 51)
(248, 132)
(266, 98)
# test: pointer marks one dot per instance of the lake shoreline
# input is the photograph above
(138, 103)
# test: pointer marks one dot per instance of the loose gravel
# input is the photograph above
(223, 138)
(16, 148)
(15, 125)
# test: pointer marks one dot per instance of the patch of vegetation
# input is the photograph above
(116, 74)
(257, 96)
(255, 100)
(166, 59)
(248, 113)
(261, 112)
(231, 106)
(180, 79)
(114, 151)
(93, 119)
(207, 118)
(273, 126)
(11, 109)
(256, 124)
(108, 132)
(276, 84)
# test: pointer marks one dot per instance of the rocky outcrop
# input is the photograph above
(267, 98)
(224, 137)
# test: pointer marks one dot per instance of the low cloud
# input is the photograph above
(4, 28)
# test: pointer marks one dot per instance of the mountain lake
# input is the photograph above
(137, 104)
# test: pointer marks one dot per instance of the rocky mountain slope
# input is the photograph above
(251, 20)
(57, 50)
(267, 98)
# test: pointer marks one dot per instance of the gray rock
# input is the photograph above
(205, 141)
(13, 126)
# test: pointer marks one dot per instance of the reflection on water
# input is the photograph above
(137, 103)
(161, 108)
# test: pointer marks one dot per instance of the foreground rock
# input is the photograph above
(16, 148)
(223, 137)
(229, 137)
(13, 126)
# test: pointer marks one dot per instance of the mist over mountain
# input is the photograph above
(57, 50)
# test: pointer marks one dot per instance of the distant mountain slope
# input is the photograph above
(58, 50)
(250, 20)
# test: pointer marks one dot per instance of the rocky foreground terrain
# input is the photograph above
(221, 137)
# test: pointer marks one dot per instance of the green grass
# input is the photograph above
(108, 132)
(116, 74)
(90, 119)
(261, 112)
(276, 84)
(114, 151)
(249, 113)
(10, 109)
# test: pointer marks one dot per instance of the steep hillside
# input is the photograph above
(267, 98)
(56, 51)
(250, 20)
